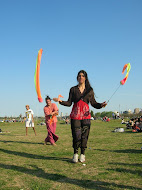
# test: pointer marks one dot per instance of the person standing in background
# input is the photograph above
(50, 111)
(29, 120)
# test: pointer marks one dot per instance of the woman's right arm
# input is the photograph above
(70, 99)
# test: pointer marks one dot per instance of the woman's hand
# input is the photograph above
(58, 99)
(103, 104)
(55, 99)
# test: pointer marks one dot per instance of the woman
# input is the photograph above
(50, 111)
(81, 95)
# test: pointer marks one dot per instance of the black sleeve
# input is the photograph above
(93, 101)
(70, 99)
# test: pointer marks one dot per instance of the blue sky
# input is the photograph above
(99, 36)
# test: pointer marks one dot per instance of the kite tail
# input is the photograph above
(36, 76)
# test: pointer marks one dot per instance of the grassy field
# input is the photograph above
(113, 160)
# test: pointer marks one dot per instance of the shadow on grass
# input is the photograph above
(125, 164)
(87, 184)
(128, 132)
(7, 134)
(135, 151)
(138, 143)
(136, 172)
(34, 156)
(19, 142)
(100, 150)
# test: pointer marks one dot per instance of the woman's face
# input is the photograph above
(81, 78)
(48, 101)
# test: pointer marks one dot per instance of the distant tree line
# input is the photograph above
(110, 114)
(101, 114)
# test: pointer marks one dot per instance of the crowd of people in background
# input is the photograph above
(134, 123)
(107, 119)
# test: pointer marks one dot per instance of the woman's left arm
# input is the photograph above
(94, 103)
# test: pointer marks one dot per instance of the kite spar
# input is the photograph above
(36, 76)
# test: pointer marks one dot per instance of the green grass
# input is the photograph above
(113, 160)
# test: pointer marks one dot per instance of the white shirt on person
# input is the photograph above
(29, 114)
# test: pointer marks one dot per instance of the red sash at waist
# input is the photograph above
(80, 111)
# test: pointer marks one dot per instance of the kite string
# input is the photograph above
(113, 93)
(58, 106)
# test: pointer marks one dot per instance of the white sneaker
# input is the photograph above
(75, 158)
(82, 158)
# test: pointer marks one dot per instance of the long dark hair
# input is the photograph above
(87, 83)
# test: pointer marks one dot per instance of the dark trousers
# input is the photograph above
(80, 133)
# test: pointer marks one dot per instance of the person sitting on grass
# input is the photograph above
(124, 122)
(130, 123)
(67, 121)
(138, 125)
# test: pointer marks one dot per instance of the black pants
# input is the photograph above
(80, 133)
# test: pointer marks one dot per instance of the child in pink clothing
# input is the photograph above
(50, 111)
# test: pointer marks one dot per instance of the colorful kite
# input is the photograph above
(36, 76)
(128, 66)
(60, 96)
(122, 82)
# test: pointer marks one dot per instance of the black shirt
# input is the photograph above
(87, 96)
